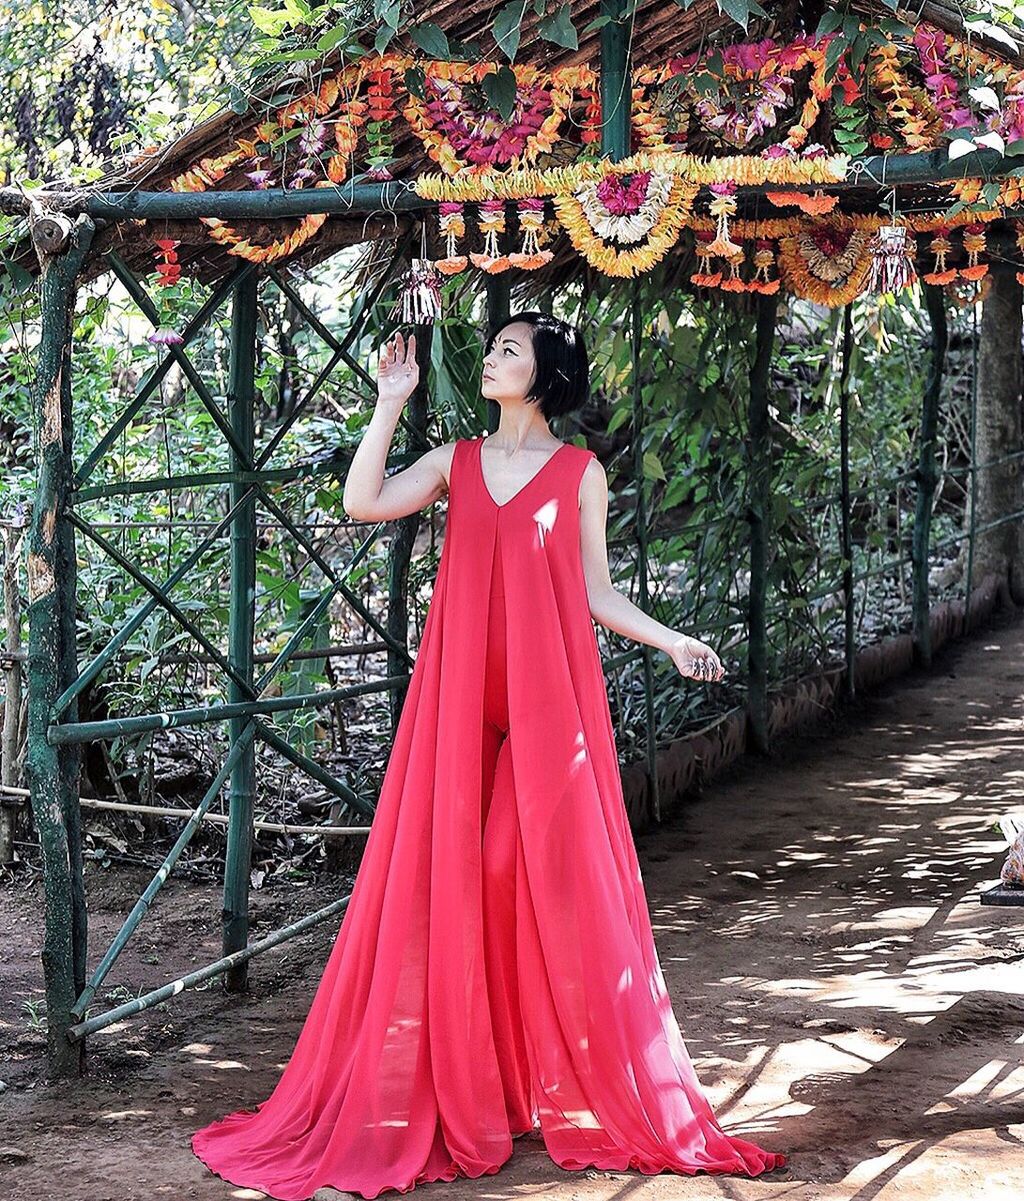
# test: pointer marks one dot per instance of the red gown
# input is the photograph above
(495, 967)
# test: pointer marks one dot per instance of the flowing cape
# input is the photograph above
(413, 1065)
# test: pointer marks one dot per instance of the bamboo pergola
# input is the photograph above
(77, 236)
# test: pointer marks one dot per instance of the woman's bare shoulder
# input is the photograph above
(440, 458)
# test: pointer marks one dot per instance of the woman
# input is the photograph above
(495, 970)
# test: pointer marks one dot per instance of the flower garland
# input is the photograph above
(647, 214)
(310, 109)
(460, 139)
(740, 170)
(827, 263)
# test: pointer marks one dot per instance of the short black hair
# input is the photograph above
(561, 382)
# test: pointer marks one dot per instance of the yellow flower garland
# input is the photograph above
(739, 169)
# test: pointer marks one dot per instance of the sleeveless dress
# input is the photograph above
(495, 969)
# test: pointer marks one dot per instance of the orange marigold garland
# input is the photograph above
(1020, 247)
(828, 262)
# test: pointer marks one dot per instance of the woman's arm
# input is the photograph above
(617, 612)
(368, 496)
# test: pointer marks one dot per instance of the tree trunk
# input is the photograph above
(999, 491)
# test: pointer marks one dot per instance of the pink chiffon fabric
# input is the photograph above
(495, 969)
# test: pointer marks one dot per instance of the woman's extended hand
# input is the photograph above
(398, 373)
(695, 659)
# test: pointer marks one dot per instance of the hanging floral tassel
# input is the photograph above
(1020, 247)
(419, 298)
(940, 246)
(168, 274)
(892, 268)
(704, 277)
(381, 115)
(492, 223)
(531, 222)
(764, 260)
(452, 224)
(974, 244)
(733, 282)
(722, 207)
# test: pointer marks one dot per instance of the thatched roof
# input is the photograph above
(661, 30)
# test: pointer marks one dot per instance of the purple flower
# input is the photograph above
(164, 336)
(259, 179)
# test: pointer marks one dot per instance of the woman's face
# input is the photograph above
(509, 366)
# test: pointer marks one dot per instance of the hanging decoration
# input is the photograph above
(419, 299)
(892, 263)
(733, 282)
(531, 223)
(940, 246)
(705, 276)
(764, 261)
(452, 223)
(721, 207)
(168, 271)
(419, 293)
(492, 223)
(974, 244)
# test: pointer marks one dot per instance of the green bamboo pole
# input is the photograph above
(230, 962)
(142, 905)
(615, 86)
(758, 515)
(152, 380)
(354, 196)
(141, 298)
(52, 657)
(849, 614)
(105, 656)
(927, 473)
(640, 525)
(70, 733)
(207, 479)
(241, 621)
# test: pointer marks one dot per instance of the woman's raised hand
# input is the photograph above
(695, 659)
(398, 373)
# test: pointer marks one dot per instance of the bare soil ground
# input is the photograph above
(844, 996)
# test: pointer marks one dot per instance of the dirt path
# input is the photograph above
(843, 994)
